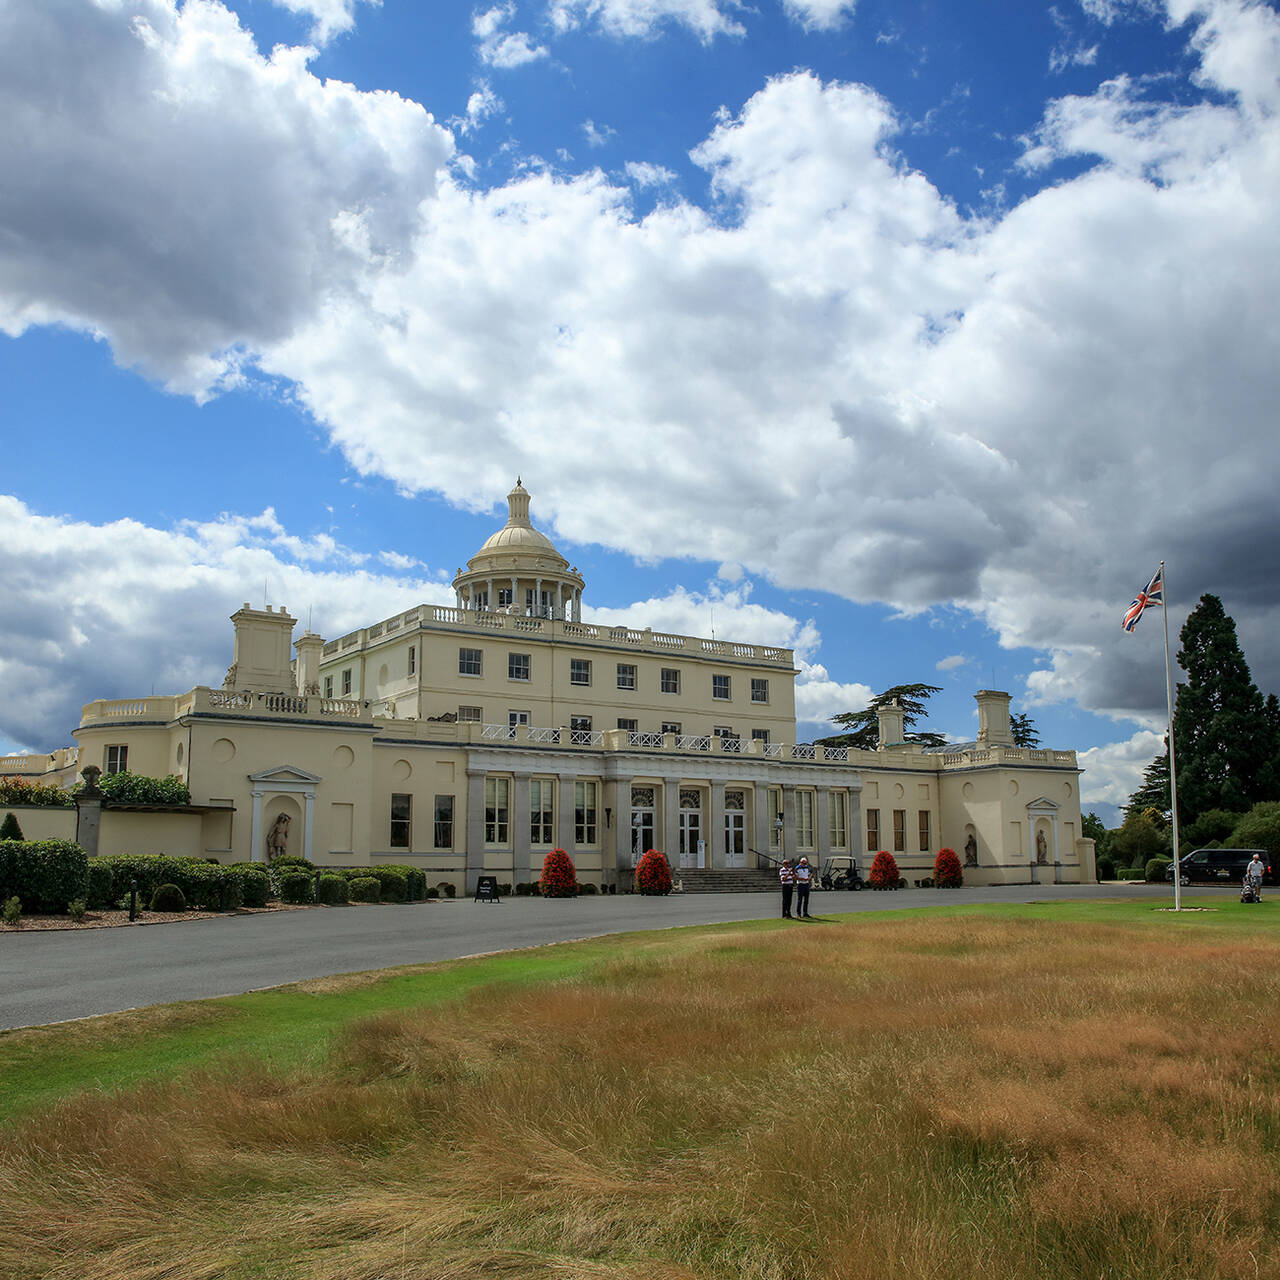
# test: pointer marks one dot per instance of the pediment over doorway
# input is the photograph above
(1043, 805)
(284, 775)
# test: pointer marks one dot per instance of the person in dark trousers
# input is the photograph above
(787, 877)
(804, 882)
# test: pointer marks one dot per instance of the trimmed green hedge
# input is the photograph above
(365, 889)
(207, 886)
(296, 887)
(45, 874)
(413, 889)
(333, 890)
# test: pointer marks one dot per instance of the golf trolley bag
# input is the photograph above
(1249, 891)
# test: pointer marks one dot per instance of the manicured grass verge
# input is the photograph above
(1023, 1093)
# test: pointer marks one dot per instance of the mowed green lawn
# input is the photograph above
(1044, 1091)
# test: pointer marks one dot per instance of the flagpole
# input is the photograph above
(1173, 773)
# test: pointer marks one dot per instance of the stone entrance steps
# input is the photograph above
(726, 880)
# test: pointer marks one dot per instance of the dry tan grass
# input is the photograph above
(898, 1099)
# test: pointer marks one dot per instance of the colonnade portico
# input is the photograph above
(619, 782)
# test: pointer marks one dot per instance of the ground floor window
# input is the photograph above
(873, 831)
(839, 826)
(925, 842)
(804, 819)
(116, 760)
(899, 831)
(586, 798)
(401, 820)
(497, 811)
(541, 811)
(444, 822)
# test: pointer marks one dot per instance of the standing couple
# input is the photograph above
(797, 879)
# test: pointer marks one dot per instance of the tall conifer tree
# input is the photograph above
(1224, 740)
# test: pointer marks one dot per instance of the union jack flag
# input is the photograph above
(1153, 596)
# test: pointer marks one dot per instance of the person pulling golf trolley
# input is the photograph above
(1251, 885)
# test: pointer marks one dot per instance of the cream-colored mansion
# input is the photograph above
(471, 740)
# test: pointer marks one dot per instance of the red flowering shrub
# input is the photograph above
(559, 877)
(946, 870)
(653, 873)
(884, 871)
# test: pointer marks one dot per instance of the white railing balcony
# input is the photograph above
(692, 742)
(498, 732)
(586, 737)
(550, 737)
(733, 746)
(639, 738)
(802, 751)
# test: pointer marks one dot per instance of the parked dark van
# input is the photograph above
(1222, 866)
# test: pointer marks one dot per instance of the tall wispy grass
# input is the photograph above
(896, 1100)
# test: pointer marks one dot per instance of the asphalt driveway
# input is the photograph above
(58, 975)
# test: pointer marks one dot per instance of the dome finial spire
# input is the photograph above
(518, 505)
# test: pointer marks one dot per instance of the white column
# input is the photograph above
(491, 602)
(515, 600)
(309, 824)
(255, 846)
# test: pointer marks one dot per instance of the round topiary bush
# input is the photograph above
(653, 874)
(168, 897)
(395, 888)
(333, 890)
(884, 871)
(365, 889)
(1154, 871)
(255, 887)
(559, 877)
(947, 872)
(295, 886)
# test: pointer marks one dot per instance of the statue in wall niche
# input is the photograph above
(229, 681)
(278, 837)
(1042, 847)
(971, 851)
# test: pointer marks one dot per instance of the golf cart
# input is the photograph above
(840, 871)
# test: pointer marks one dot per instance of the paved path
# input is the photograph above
(57, 975)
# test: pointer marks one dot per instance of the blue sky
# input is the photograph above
(912, 335)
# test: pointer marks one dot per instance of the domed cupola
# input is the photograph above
(519, 571)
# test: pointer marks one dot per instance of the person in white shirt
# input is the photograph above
(1254, 873)
(787, 877)
(804, 882)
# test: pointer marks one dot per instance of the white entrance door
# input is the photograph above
(735, 838)
(690, 834)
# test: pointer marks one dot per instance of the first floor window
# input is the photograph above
(504, 596)
(328, 686)
(585, 800)
(925, 843)
(346, 682)
(899, 831)
(444, 822)
(839, 820)
(630, 725)
(580, 731)
(401, 820)
(469, 715)
(760, 735)
(413, 659)
(671, 726)
(804, 819)
(720, 687)
(670, 679)
(117, 760)
(579, 670)
(497, 811)
(468, 662)
(542, 808)
(873, 831)
(759, 690)
(517, 666)
(626, 675)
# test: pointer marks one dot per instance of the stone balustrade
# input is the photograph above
(442, 617)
